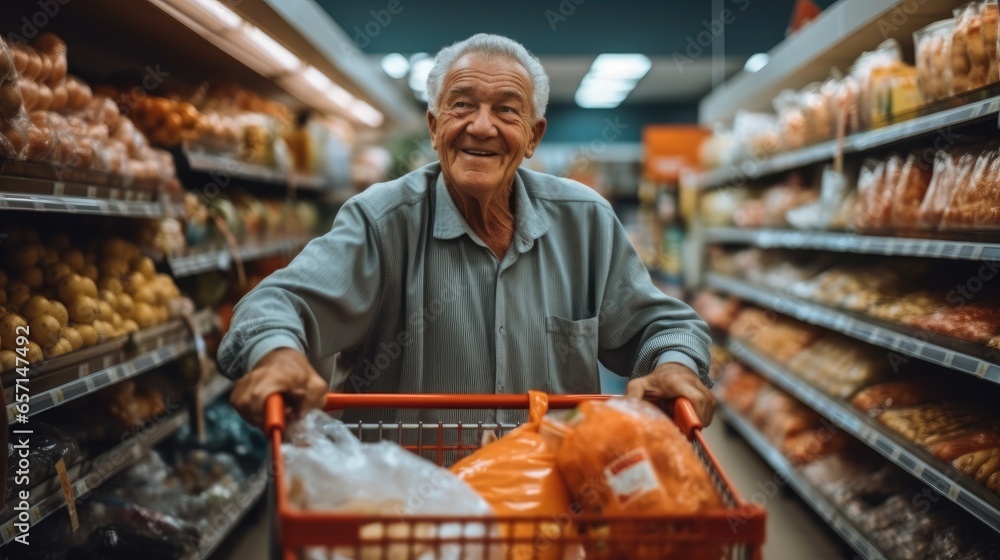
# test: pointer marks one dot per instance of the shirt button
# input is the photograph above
(501, 330)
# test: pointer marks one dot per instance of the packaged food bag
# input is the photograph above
(517, 475)
(625, 456)
(933, 56)
(328, 469)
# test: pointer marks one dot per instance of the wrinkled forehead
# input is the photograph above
(502, 70)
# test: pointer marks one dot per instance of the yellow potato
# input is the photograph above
(45, 330)
(59, 311)
(74, 337)
(12, 325)
(88, 333)
(84, 309)
(35, 307)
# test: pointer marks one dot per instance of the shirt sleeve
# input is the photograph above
(673, 356)
(639, 323)
(323, 302)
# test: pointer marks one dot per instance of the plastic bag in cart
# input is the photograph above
(329, 469)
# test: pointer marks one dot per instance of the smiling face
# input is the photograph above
(485, 124)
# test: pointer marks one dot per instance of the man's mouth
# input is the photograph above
(480, 153)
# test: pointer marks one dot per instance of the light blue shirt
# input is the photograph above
(402, 296)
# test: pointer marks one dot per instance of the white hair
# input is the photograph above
(494, 46)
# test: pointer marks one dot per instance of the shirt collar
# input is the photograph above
(530, 222)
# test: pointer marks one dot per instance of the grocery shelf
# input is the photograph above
(749, 170)
(90, 474)
(911, 343)
(217, 258)
(855, 243)
(69, 377)
(936, 474)
(251, 492)
(834, 39)
(809, 494)
(81, 205)
(222, 168)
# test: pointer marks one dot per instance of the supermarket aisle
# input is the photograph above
(793, 530)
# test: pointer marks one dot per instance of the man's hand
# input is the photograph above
(285, 371)
(672, 380)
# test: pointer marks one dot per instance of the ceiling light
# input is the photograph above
(395, 65)
(282, 57)
(756, 62)
(626, 66)
(366, 113)
(419, 72)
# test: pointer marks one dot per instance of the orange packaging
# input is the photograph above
(517, 475)
(625, 456)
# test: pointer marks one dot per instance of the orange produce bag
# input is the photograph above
(625, 456)
(517, 475)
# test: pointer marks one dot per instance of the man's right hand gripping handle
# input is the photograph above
(285, 371)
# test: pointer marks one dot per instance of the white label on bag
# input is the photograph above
(631, 476)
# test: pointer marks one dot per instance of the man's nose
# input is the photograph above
(482, 124)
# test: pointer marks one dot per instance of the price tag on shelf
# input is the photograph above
(114, 374)
(981, 369)
(3, 202)
(8, 532)
(83, 370)
(57, 396)
(919, 469)
(108, 361)
(67, 489)
(954, 492)
(36, 515)
(91, 191)
(113, 193)
(58, 188)
(895, 454)
(977, 252)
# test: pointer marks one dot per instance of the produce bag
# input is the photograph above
(328, 469)
(517, 475)
(933, 54)
(624, 456)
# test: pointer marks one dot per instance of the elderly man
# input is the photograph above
(470, 275)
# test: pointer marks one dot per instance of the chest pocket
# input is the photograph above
(571, 348)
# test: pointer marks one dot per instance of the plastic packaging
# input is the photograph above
(756, 135)
(953, 448)
(880, 397)
(517, 475)
(909, 191)
(874, 205)
(983, 466)
(885, 55)
(976, 202)
(329, 469)
(626, 456)
(933, 57)
(48, 445)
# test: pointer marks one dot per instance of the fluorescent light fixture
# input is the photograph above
(419, 72)
(252, 46)
(395, 65)
(756, 62)
(218, 13)
(366, 113)
(623, 66)
(282, 57)
(611, 78)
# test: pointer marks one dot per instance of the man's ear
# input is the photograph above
(538, 130)
(432, 127)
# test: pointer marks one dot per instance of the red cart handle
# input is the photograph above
(274, 415)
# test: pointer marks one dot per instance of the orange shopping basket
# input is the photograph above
(735, 531)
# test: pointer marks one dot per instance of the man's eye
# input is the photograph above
(461, 105)
(506, 109)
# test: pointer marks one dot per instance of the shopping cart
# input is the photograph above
(735, 531)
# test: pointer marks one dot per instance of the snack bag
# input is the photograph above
(517, 475)
(624, 456)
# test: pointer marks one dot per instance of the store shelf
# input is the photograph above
(929, 470)
(854, 243)
(835, 39)
(912, 343)
(223, 168)
(222, 258)
(809, 494)
(754, 169)
(81, 205)
(86, 371)
(251, 492)
(90, 475)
